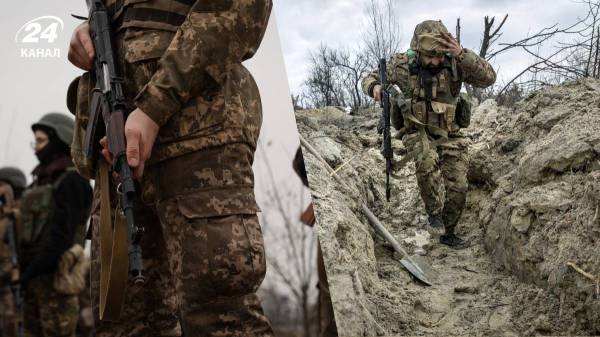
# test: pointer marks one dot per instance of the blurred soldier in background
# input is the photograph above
(12, 184)
(54, 210)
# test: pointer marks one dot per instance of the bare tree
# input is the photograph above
(335, 74)
(351, 68)
(323, 86)
(334, 79)
(295, 264)
(552, 59)
(490, 36)
(594, 58)
(381, 35)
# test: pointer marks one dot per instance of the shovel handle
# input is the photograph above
(375, 223)
(378, 226)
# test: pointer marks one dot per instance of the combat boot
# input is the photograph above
(453, 241)
(436, 223)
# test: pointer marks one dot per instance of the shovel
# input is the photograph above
(414, 264)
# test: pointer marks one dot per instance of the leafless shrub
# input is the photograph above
(291, 258)
(335, 75)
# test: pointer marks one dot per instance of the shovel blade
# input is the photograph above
(419, 268)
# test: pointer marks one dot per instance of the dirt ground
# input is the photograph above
(531, 218)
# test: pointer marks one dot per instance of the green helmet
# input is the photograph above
(60, 123)
(13, 176)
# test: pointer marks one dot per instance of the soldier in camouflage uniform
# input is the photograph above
(195, 116)
(54, 210)
(12, 184)
(430, 76)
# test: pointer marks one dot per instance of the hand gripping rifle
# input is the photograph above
(387, 135)
(107, 117)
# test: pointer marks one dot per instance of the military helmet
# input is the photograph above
(13, 176)
(427, 37)
(60, 123)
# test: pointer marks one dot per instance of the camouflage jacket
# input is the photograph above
(468, 68)
(190, 80)
(6, 267)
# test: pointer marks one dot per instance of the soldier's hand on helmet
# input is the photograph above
(81, 49)
(140, 134)
(452, 46)
(377, 92)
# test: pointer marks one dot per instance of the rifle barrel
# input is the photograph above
(113, 115)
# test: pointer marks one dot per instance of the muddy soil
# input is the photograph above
(531, 218)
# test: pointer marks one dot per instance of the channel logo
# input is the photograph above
(37, 37)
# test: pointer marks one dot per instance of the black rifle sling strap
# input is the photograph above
(149, 14)
(114, 262)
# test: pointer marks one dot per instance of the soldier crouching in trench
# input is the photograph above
(430, 113)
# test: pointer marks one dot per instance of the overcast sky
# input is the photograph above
(338, 23)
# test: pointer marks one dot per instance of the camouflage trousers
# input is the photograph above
(8, 313)
(201, 272)
(48, 313)
(441, 175)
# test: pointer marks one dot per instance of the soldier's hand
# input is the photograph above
(105, 153)
(452, 46)
(140, 134)
(377, 92)
(81, 49)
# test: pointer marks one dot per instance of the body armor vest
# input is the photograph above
(434, 95)
(151, 14)
(37, 206)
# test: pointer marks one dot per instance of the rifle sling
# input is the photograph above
(149, 15)
(119, 4)
(114, 262)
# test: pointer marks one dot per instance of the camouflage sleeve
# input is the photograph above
(397, 73)
(214, 35)
(369, 82)
(475, 70)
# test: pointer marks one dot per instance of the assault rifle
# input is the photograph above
(387, 135)
(107, 117)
